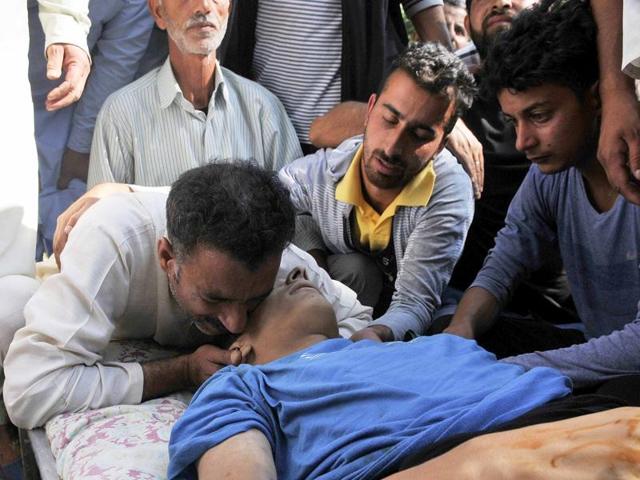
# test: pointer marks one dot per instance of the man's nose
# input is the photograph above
(234, 317)
(525, 138)
(501, 4)
(298, 273)
(393, 143)
(204, 6)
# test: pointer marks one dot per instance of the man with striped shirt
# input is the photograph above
(388, 214)
(313, 55)
(190, 111)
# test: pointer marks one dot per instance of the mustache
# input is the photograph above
(210, 324)
(202, 20)
(495, 13)
(393, 159)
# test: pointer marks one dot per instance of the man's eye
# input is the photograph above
(390, 120)
(539, 117)
(422, 136)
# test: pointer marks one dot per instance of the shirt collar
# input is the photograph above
(168, 87)
(416, 193)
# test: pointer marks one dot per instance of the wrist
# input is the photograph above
(383, 332)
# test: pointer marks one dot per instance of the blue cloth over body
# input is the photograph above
(343, 410)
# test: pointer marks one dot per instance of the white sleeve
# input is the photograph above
(65, 21)
(54, 362)
(350, 313)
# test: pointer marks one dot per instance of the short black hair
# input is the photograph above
(436, 69)
(553, 42)
(235, 207)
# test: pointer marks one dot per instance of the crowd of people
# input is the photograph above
(373, 252)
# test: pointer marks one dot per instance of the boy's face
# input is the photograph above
(294, 316)
(555, 129)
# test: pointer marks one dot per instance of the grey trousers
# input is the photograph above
(358, 272)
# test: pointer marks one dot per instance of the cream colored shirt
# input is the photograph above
(65, 21)
(631, 38)
(112, 287)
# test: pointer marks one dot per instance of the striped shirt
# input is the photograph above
(298, 54)
(147, 132)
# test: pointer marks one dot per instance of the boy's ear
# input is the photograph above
(241, 352)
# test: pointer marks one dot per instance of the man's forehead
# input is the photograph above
(219, 277)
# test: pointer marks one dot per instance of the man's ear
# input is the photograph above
(165, 254)
(156, 12)
(372, 101)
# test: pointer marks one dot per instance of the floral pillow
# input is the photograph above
(119, 442)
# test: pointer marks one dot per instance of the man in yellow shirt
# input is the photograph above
(387, 213)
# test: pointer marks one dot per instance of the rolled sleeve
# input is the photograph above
(413, 7)
(65, 21)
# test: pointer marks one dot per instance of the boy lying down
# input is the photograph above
(309, 404)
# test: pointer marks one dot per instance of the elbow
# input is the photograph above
(316, 132)
(25, 411)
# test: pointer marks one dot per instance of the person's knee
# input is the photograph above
(359, 272)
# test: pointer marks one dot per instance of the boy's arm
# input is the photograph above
(475, 313)
(599, 359)
(244, 456)
(521, 247)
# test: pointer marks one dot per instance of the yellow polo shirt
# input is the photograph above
(375, 229)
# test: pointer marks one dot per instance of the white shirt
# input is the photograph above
(631, 38)
(147, 133)
(65, 21)
(111, 287)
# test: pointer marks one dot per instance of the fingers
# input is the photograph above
(65, 223)
(55, 55)
(633, 144)
(619, 172)
(76, 64)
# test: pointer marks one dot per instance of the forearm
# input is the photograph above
(247, 456)
(608, 16)
(475, 314)
(593, 362)
(431, 26)
(343, 121)
(162, 377)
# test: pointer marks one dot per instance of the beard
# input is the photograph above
(206, 44)
(206, 324)
(484, 39)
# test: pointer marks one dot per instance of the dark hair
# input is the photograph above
(236, 207)
(553, 42)
(436, 69)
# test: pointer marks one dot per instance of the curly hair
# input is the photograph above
(437, 70)
(553, 42)
(234, 207)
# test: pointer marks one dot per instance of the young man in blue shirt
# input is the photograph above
(545, 73)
